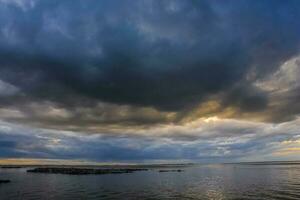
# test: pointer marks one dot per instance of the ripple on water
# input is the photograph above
(203, 182)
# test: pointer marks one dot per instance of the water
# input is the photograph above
(218, 182)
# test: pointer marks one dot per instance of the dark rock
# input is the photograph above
(4, 181)
(82, 171)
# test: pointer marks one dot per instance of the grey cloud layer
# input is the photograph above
(209, 142)
(169, 55)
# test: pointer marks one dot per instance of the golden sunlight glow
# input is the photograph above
(288, 151)
(211, 119)
(290, 147)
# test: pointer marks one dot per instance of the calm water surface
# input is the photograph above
(231, 181)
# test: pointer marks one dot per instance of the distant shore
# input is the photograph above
(268, 163)
(104, 166)
(147, 166)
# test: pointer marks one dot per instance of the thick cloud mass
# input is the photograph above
(103, 66)
(166, 54)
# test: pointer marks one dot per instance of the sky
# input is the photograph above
(149, 81)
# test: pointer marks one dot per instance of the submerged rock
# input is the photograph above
(4, 181)
(82, 171)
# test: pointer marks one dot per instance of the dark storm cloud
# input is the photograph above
(170, 55)
(246, 97)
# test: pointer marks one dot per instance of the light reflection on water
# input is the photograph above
(218, 182)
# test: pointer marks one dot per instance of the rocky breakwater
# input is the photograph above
(83, 171)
